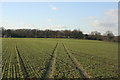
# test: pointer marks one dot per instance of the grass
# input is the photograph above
(98, 58)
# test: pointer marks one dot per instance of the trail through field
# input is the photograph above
(50, 69)
(4, 68)
(53, 63)
(104, 61)
(56, 59)
(25, 74)
(78, 65)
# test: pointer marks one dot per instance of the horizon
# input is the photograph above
(85, 16)
(61, 30)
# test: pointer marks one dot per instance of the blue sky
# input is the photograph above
(86, 16)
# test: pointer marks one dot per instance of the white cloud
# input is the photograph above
(11, 25)
(50, 20)
(5, 21)
(56, 27)
(19, 26)
(90, 18)
(110, 19)
(53, 7)
(95, 23)
(29, 26)
(112, 13)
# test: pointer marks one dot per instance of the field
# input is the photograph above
(58, 58)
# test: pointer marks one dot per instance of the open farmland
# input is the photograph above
(58, 58)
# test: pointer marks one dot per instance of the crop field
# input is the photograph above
(38, 58)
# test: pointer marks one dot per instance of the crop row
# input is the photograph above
(10, 64)
(64, 67)
(43, 58)
(32, 58)
(97, 66)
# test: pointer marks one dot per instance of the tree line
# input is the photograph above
(77, 34)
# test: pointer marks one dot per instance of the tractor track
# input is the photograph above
(25, 74)
(96, 58)
(50, 68)
(83, 73)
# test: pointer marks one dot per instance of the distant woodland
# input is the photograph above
(76, 34)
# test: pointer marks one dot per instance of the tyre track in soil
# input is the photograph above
(50, 68)
(25, 74)
(93, 57)
(83, 73)
(105, 62)
(4, 67)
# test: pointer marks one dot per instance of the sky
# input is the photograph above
(85, 16)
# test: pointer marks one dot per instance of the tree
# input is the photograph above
(109, 35)
(95, 35)
(76, 34)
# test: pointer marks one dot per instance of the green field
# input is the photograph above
(58, 58)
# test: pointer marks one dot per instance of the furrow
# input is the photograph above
(78, 65)
(22, 64)
(50, 69)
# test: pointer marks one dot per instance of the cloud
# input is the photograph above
(56, 27)
(30, 26)
(110, 19)
(95, 23)
(112, 13)
(50, 20)
(6, 21)
(90, 18)
(53, 7)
